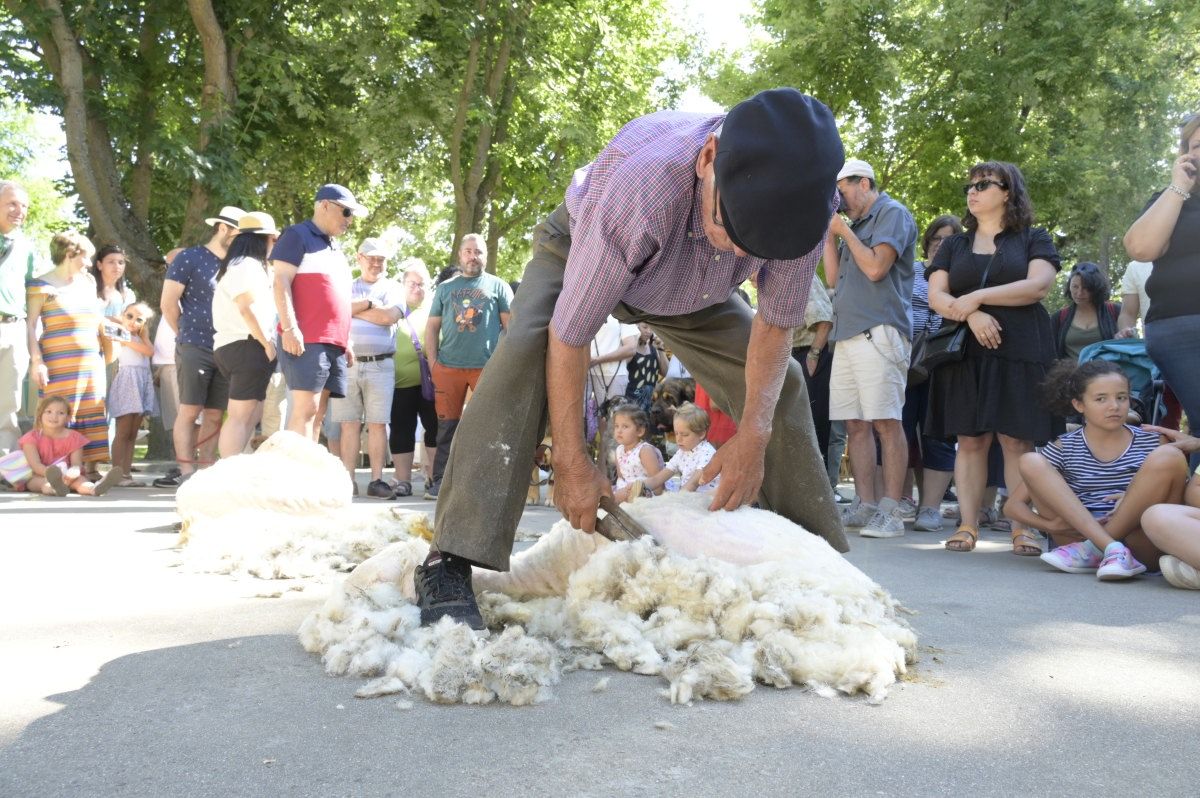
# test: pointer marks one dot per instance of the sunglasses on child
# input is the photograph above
(983, 185)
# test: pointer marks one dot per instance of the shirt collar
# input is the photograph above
(312, 226)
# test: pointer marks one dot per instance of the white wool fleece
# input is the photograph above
(720, 602)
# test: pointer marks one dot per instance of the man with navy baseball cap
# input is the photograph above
(313, 299)
(672, 216)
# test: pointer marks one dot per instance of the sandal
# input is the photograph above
(964, 539)
(1024, 544)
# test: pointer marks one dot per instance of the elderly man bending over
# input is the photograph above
(677, 211)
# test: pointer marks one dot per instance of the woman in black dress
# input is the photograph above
(991, 391)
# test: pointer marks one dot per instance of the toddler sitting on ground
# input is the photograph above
(694, 453)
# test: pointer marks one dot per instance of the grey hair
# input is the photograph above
(479, 240)
(13, 186)
(415, 265)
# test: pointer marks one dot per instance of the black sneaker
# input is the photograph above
(173, 479)
(378, 489)
(444, 589)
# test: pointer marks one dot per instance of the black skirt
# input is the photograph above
(984, 393)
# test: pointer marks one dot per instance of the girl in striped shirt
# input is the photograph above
(1091, 486)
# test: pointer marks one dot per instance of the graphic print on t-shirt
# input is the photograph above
(468, 306)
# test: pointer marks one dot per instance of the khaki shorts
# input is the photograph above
(869, 375)
(368, 397)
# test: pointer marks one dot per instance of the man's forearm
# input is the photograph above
(283, 303)
(566, 373)
(767, 359)
(822, 335)
(170, 314)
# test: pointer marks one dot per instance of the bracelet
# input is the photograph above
(289, 329)
(1172, 187)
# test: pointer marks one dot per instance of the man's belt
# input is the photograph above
(372, 358)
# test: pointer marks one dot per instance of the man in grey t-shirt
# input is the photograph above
(872, 329)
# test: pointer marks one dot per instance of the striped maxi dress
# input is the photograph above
(70, 344)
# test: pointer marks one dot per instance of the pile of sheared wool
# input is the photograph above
(284, 512)
(720, 602)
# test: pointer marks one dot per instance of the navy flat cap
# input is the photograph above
(776, 168)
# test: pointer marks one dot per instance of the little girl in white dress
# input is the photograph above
(636, 458)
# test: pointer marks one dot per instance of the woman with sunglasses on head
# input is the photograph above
(1088, 317)
(992, 277)
(1168, 234)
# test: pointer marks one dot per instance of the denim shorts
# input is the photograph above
(322, 367)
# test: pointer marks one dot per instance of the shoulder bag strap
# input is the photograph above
(412, 333)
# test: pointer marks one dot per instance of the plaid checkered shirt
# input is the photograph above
(637, 236)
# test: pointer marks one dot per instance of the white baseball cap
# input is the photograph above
(856, 167)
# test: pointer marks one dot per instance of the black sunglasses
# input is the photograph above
(983, 185)
(346, 212)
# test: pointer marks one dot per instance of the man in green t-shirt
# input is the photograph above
(465, 320)
(17, 264)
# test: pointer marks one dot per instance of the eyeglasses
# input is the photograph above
(983, 185)
(938, 239)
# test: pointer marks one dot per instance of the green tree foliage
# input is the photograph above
(1084, 95)
(22, 145)
(444, 117)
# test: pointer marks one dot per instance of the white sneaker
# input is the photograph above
(929, 519)
(887, 522)
(1179, 573)
(857, 514)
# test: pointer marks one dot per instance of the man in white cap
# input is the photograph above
(872, 270)
(377, 303)
(186, 305)
(312, 296)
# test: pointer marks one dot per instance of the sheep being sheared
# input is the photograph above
(284, 512)
(721, 601)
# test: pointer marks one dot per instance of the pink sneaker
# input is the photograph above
(1120, 564)
(1074, 558)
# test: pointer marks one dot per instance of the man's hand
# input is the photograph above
(838, 226)
(1180, 440)
(349, 358)
(739, 463)
(811, 363)
(578, 486)
(293, 342)
(986, 329)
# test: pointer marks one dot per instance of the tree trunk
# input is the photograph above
(142, 175)
(216, 104)
(89, 145)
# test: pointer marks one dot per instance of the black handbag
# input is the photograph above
(917, 373)
(949, 344)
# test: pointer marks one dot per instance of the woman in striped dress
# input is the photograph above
(68, 359)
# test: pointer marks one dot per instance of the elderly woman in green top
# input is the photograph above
(408, 401)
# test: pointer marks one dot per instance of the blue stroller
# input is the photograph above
(1146, 384)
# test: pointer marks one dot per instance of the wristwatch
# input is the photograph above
(370, 304)
(815, 354)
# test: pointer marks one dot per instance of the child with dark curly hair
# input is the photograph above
(1090, 487)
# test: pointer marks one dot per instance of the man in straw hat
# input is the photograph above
(669, 219)
(186, 305)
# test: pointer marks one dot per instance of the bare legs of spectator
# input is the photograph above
(196, 449)
(242, 415)
(123, 443)
(932, 486)
(376, 447)
(837, 448)
(273, 407)
(1160, 480)
(308, 409)
(894, 449)
(1175, 528)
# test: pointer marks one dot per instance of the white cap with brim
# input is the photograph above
(856, 167)
(229, 215)
(372, 247)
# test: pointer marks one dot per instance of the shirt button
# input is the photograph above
(718, 257)
(705, 296)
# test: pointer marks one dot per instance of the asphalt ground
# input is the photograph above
(125, 675)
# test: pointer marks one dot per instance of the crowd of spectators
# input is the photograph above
(256, 311)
